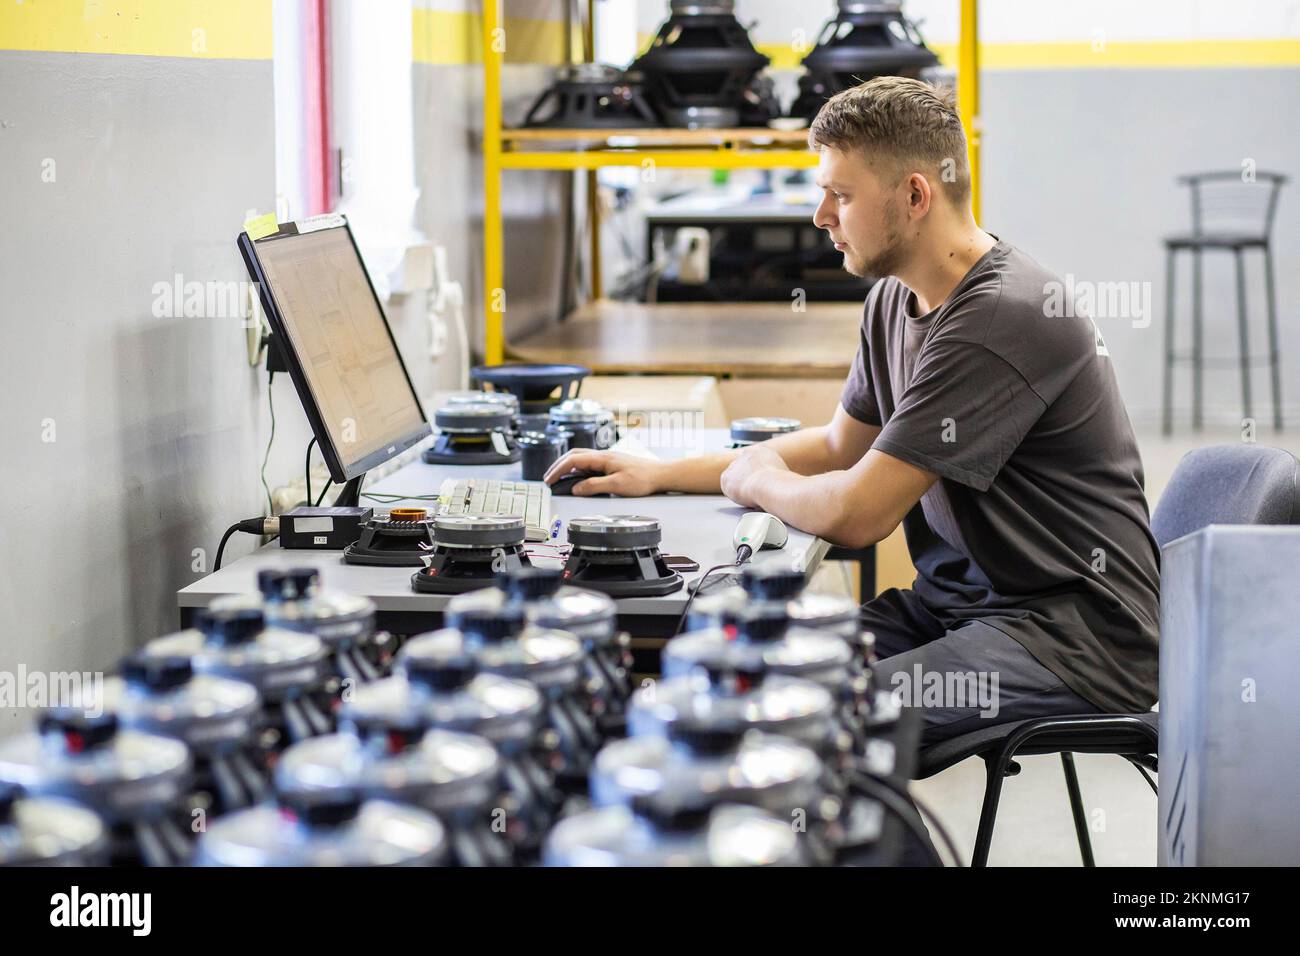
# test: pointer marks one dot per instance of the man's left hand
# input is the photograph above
(740, 480)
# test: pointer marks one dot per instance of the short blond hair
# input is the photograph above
(903, 122)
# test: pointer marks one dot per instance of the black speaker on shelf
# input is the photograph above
(865, 39)
(592, 96)
(700, 66)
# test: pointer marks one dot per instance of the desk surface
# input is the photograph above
(701, 338)
(699, 526)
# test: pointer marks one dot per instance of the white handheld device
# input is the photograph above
(756, 531)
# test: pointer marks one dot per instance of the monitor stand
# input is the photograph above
(350, 496)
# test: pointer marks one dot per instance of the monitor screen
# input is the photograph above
(339, 348)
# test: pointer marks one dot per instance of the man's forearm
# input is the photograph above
(814, 504)
(805, 451)
(700, 475)
(854, 507)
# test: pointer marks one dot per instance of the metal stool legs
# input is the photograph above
(996, 767)
(1076, 807)
(1243, 334)
(1167, 419)
(1243, 338)
(1273, 362)
(1002, 765)
(1196, 339)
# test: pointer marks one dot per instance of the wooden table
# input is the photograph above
(701, 338)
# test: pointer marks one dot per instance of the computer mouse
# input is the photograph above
(564, 485)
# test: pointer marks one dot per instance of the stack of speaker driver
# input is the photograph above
(48, 831)
(473, 433)
(288, 668)
(619, 555)
(591, 617)
(701, 67)
(135, 783)
(469, 551)
(323, 816)
(675, 829)
(496, 629)
(440, 685)
(678, 798)
(294, 600)
(732, 692)
(593, 96)
(217, 718)
(865, 39)
(759, 636)
(454, 776)
(400, 538)
(774, 589)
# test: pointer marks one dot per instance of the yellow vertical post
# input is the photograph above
(968, 93)
(593, 182)
(494, 300)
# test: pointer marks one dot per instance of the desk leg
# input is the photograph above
(866, 561)
(867, 575)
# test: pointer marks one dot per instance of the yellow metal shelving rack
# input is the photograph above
(668, 148)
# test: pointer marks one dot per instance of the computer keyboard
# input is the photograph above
(530, 500)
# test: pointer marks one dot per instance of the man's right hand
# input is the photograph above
(627, 476)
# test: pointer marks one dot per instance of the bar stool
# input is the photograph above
(1231, 213)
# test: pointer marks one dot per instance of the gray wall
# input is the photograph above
(158, 421)
(1078, 170)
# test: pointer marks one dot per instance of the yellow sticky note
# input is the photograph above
(259, 227)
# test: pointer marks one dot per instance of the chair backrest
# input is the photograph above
(1231, 201)
(1228, 484)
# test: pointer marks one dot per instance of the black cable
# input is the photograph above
(306, 467)
(324, 491)
(926, 812)
(901, 807)
(270, 404)
(221, 548)
(699, 586)
(248, 526)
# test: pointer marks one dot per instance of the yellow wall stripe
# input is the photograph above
(449, 37)
(1173, 54)
(206, 29)
(1180, 54)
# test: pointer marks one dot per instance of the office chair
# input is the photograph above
(1219, 484)
(1229, 214)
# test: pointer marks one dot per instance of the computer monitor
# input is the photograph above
(332, 335)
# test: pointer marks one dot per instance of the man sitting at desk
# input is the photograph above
(977, 415)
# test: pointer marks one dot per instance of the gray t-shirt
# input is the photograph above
(1038, 525)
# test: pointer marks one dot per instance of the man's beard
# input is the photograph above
(890, 258)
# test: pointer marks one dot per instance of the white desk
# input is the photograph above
(699, 526)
